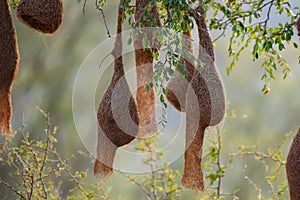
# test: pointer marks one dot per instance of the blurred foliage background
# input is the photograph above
(49, 64)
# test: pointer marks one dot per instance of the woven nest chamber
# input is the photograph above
(117, 113)
(9, 60)
(293, 168)
(42, 15)
(177, 86)
(207, 88)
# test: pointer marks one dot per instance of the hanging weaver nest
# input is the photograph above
(42, 15)
(117, 113)
(208, 90)
(293, 168)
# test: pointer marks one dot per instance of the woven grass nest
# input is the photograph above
(42, 15)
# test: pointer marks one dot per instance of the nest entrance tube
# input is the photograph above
(117, 120)
(42, 15)
(9, 61)
(5, 111)
(193, 176)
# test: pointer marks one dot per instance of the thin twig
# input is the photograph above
(31, 187)
(259, 191)
(166, 194)
(27, 144)
(83, 8)
(138, 184)
(152, 166)
(25, 175)
(105, 23)
(268, 14)
(221, 35)
(273, 189)
(46, 150)
(103, 16)
(74, 179)
(12, 189)
(249, 13)
(261, 156)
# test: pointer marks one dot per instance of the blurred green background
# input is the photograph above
(49, 64)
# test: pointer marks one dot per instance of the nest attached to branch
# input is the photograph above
(206, 91)
(42, 15)
(117, 113)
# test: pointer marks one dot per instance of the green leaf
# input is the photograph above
(281, 47)
(295, 45)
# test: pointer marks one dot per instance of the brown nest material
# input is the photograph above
(117, 113)
(9, 61)
(42, 15)
(207, 88)
(144, 68)
(293, 168)
(177, 86)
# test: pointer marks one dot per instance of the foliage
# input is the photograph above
(162, 181)
(251, 24)
(33, 176)
(157, 184)
(273, 162)
(247, 24)
(37, 169)
(14, 3)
